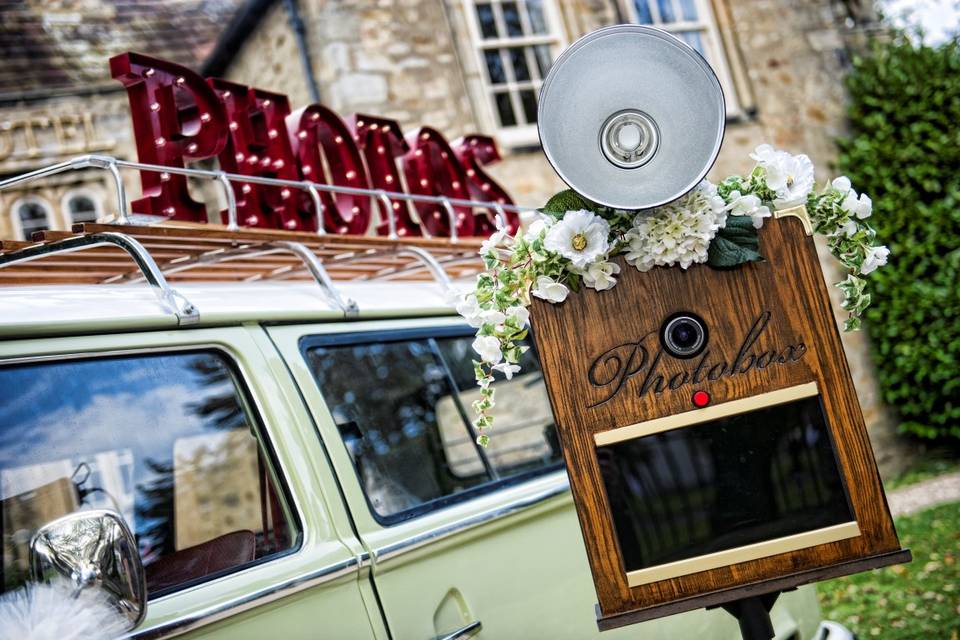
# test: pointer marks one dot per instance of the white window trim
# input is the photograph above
(710, 35)
(84, 192)
(15, 223)
(555, 39)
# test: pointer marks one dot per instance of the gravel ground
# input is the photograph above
(929, 493)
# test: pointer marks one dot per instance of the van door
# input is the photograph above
(191, 437)
(464, 540)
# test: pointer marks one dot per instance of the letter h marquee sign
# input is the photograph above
(178, 116)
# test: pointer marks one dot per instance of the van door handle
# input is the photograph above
(463, 633)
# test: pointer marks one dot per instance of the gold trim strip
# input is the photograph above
(800, 212)
(706, 414)
(745, 553)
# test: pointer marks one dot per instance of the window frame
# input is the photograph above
(17, 223)
(84, 192)
(386, 336)
(709, 28)
(520, 135)
(254, 411)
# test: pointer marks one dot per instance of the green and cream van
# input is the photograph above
(293, 471)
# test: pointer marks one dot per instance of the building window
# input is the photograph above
(517, 41)
(29, 215)
(693, 22)
(81, 206)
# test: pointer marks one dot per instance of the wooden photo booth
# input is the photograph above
(715, 445)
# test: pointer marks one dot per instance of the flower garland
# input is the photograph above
(571, 244)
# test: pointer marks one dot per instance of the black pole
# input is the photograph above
(300, 33)
(753, 614)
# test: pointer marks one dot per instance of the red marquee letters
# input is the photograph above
(179, 116)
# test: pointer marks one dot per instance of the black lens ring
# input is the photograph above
(700, 329)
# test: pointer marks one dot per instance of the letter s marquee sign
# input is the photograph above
(179, 116)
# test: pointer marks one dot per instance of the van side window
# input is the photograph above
(403, 409)
(166, 440)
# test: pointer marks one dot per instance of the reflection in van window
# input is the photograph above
(163, 439)
(403, 409)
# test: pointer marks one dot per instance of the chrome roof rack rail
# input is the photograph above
(171, 301)
(253, 250)
(226, 180)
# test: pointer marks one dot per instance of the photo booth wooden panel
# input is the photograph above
(745, 469)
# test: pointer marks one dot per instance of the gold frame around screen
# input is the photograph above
(748, 552)
(689, 418)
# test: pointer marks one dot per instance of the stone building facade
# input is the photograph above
(464, 66)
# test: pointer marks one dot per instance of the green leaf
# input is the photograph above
(568, 200)
(737, 243)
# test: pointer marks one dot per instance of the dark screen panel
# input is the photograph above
(723, 484)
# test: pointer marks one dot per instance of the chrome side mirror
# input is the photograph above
(93, 549)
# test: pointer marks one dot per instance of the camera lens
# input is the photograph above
(683, 335)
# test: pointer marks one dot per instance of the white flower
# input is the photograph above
(507, 369)
(678, 232)
(491, 243)
(841, 184)
(550, 290)
(537, 227)
(861, 206)
(488, 347)
(848, 228)
(790, 177)
(581, 237)
(599, 275)
(748, 205)
(492, 316)
(469, 308)
(875, 257)
(518, 314)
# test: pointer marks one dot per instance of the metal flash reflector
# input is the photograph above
(631, 117)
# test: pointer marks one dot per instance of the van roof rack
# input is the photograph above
(169, 252)
(158, 255)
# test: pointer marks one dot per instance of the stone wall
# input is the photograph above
(42, 133)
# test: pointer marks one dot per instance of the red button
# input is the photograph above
(701, 399)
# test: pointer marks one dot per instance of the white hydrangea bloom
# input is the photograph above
(790, 177)
(679, 232)
(748, 205)
(581, 237)
(599, 275)
(550, 290)
(488, 348)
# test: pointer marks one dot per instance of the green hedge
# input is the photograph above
(905, 153)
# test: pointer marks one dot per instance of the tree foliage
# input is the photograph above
(905, 152)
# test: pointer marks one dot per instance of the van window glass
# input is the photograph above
(403, 409)
(166, 440)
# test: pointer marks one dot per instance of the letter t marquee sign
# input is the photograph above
(716, 449)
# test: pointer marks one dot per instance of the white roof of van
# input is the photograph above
(37, 310)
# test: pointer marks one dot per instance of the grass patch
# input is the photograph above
(932, 462)
(918, 601)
